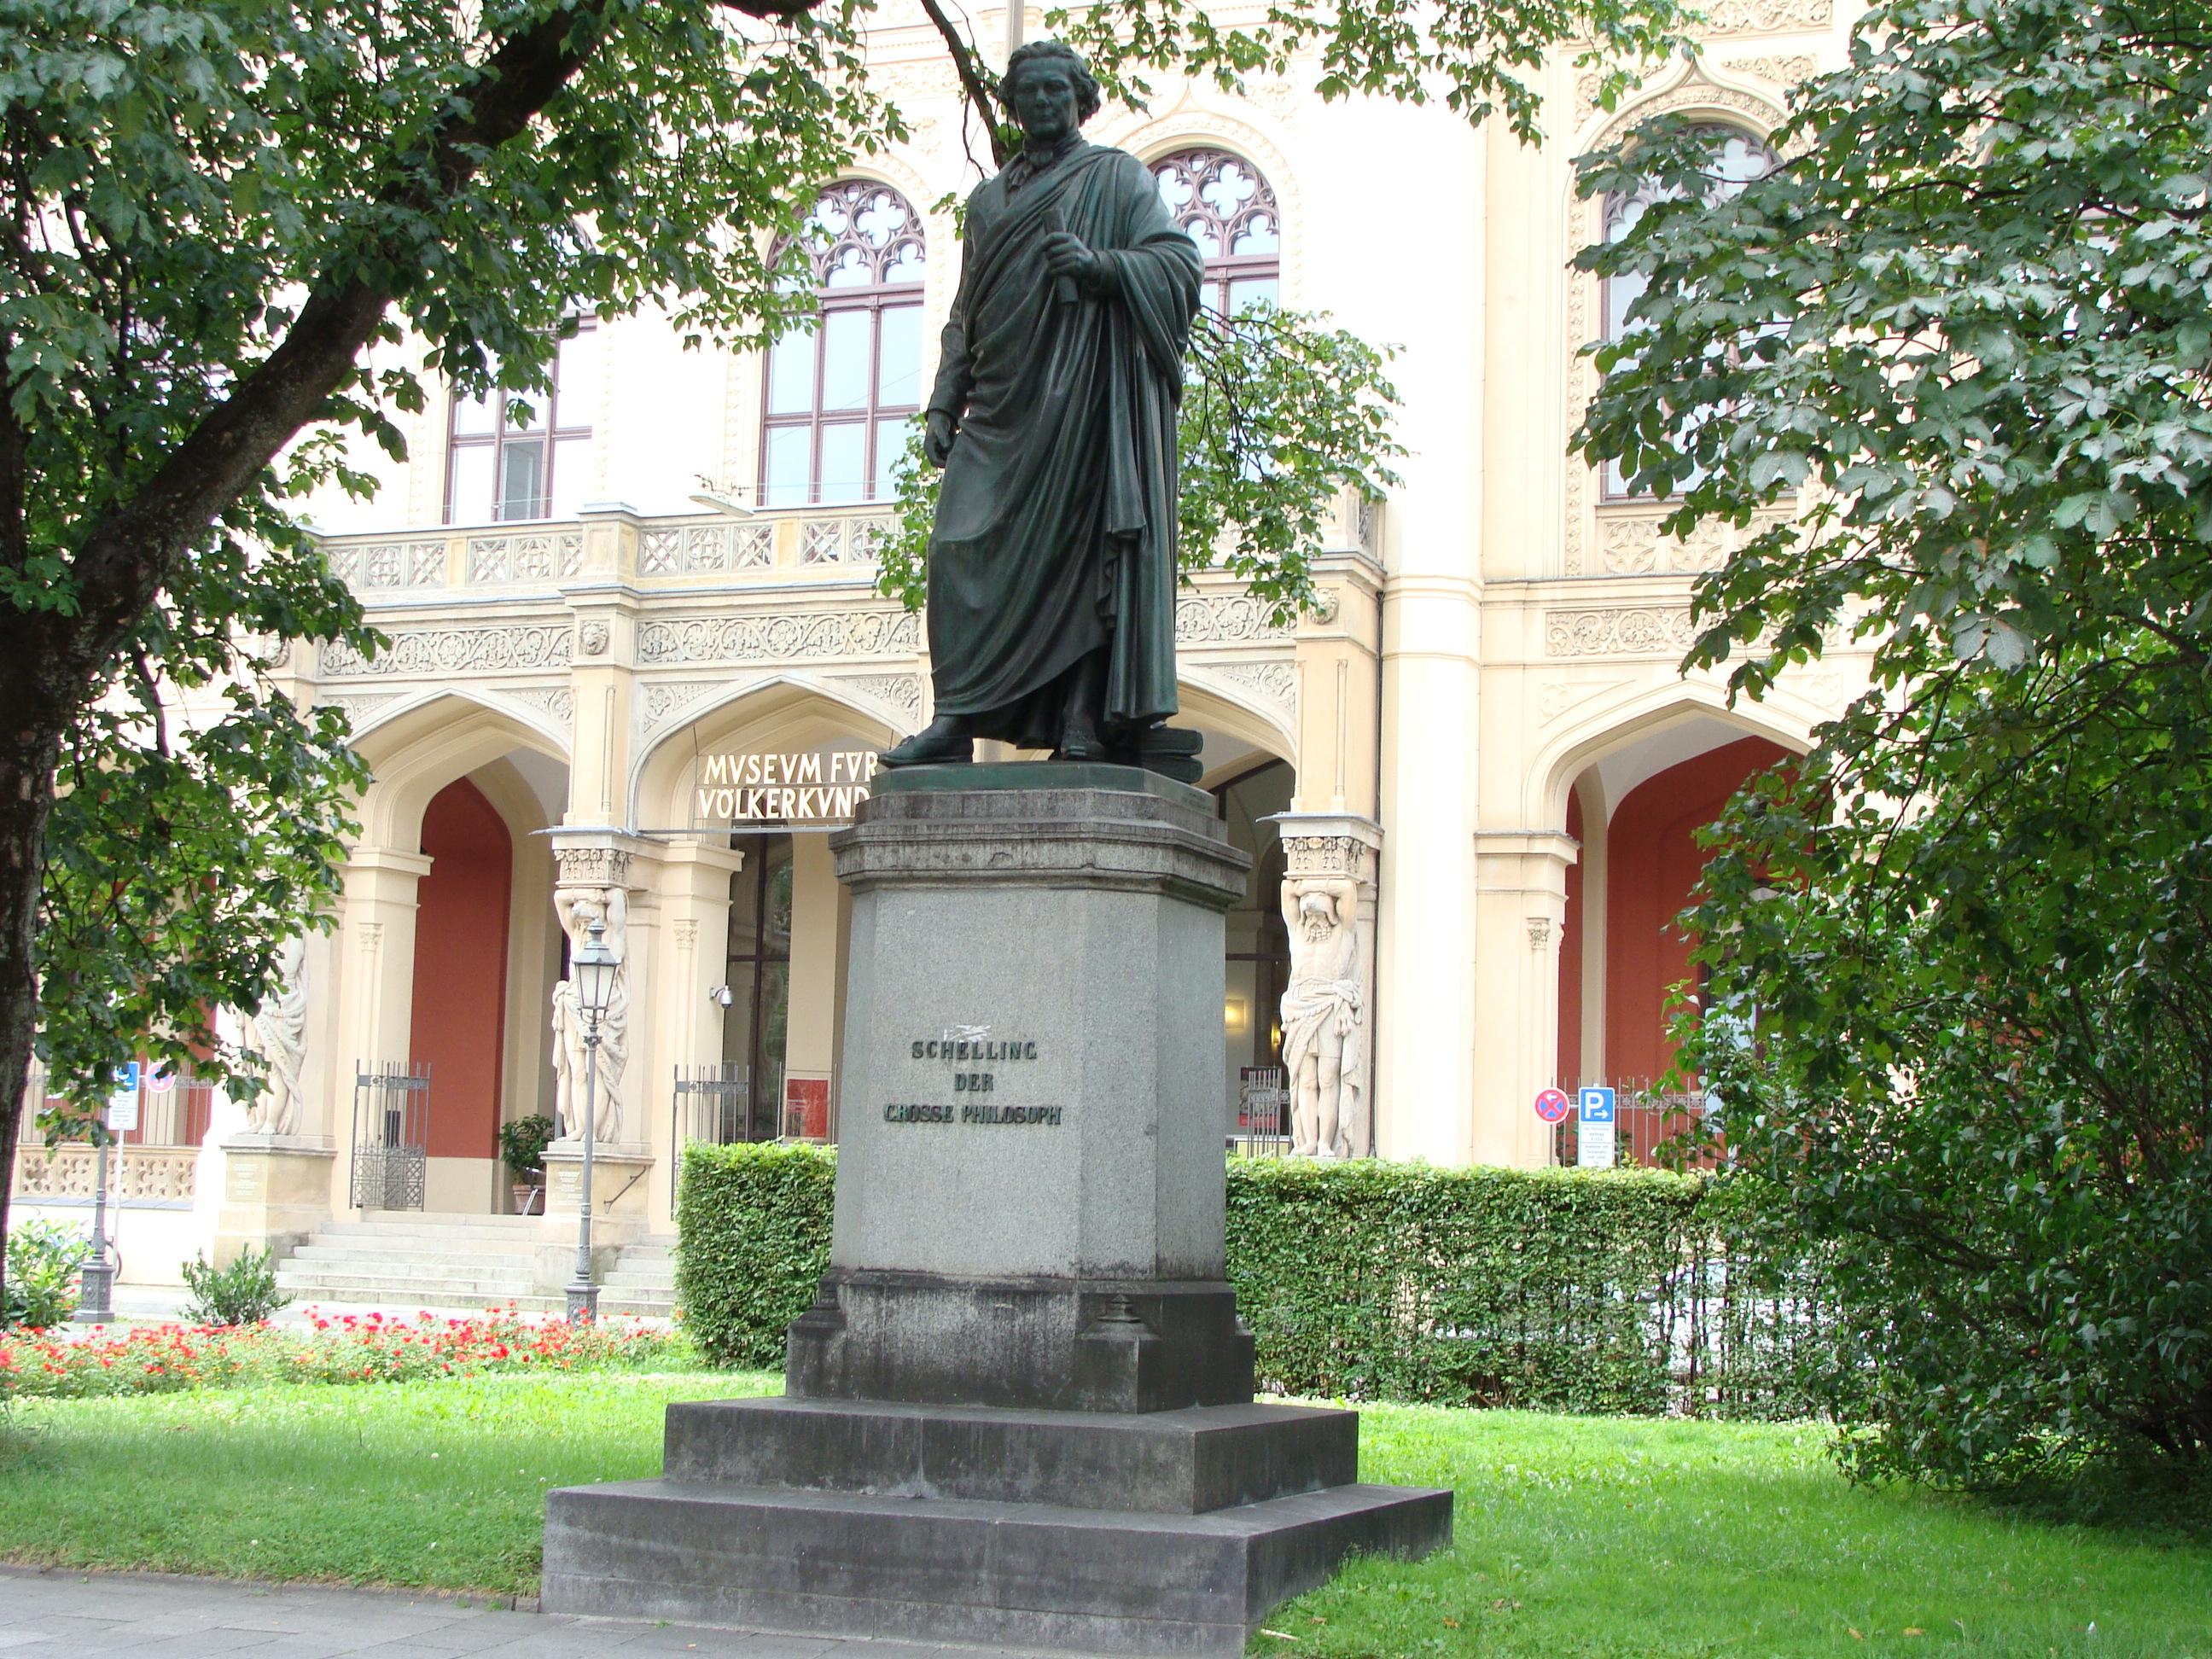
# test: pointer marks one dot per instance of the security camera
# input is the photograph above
(721, 994)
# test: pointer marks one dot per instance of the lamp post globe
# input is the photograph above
(592, 971)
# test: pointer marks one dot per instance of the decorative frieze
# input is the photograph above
(1625, 631)
(900, 691)
(784, 636)
(1783, 71)
(1554, 700)
(558, 703)
(438, 650)
(664, 697)
(1271, 682)
(1224, 619)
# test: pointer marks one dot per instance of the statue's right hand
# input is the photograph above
(936, 440)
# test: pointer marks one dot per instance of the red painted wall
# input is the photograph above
(460, 968)
(1570, 1068)
(1652, 865)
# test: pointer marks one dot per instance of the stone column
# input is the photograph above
(374, 954)
(1426, 909)
(1326, 852)
(1522, 880)
(695, 903)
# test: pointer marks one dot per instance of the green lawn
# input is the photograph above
(1577, 1538)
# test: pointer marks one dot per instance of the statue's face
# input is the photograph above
(1044, 99)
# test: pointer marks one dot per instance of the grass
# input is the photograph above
(438, 1483)
(1590, 1538)
(1578, 1538)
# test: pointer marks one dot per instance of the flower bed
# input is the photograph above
(353, 1348)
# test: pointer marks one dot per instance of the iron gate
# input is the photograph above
(391, 1135)
(713, 1104)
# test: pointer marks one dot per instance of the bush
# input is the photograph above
(244, 1293)
(1628, 1291)
(43, 1259)
(753, 1226)
(522, 1143)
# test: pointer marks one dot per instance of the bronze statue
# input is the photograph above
(1052, 563)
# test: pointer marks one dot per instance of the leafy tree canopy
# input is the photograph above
(1962, 328)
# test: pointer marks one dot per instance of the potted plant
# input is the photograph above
(522, 1143)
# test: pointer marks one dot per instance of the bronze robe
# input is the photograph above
(1055, 531)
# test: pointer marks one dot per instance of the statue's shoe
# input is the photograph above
(924, 750)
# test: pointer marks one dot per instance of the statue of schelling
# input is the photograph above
(1052, 563)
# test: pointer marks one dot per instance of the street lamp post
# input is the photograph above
(96, 1277)
(592, 972)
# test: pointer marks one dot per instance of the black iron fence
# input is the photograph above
(1651, 1129)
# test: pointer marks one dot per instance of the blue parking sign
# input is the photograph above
(1594, 1143)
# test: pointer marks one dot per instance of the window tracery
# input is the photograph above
(1226, 206)
(838, 393)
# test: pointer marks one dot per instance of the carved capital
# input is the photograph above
(592, 866)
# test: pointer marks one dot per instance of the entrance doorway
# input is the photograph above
(459, 1024)
(759, 978)
(1257, 950)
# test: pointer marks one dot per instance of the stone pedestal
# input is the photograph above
(275, 1189)
(1019, 1412)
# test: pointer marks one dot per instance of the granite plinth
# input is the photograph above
(1178, 1462)
(1028, 1129)
(956, 1569)
(1019, 1412)
(1042, 1343)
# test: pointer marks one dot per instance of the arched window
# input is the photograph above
(1223, 202)
(840, 393)
(1739, 158)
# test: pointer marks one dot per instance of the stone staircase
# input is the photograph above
(460, 1264)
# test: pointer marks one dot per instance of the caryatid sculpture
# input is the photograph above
(578, 908)
(1324, 1016)
(1052, 561)
(278, 1031)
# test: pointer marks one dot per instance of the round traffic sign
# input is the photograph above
(1552, 1105)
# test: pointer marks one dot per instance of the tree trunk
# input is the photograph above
(28, 754)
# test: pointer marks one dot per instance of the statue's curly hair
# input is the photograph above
(1087, 96)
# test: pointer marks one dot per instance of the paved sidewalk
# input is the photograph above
(60, 1615)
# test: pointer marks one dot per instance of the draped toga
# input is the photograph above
(1055, 531)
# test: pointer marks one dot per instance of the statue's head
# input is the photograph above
(1316, 914)
(1064, 93)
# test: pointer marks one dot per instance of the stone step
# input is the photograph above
(354, 1286)
(484, 1226)
(426, 1255)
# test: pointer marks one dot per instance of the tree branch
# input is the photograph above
(979, 87)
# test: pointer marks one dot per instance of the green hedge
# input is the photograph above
(1626, 1290)
(752, 1223)
(1615, 1291)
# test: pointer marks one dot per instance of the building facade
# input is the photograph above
(639, 668)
